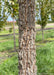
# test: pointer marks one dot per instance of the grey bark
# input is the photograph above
(42, 35)
(27, 47)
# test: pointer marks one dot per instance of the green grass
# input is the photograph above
(45, 54)
(45, 59)
(7, 44)
(47, 34)
(7, 32)
(45, 62)
(10, 66)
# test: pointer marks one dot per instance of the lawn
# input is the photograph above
(10, 66)
(45, 54)
(7, 32)
(45, 59)
(7, 43)
(48, 34)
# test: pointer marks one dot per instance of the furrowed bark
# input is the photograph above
(27, 48)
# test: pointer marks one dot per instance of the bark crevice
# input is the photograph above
(27, 48)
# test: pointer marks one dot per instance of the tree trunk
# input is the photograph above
(42, 35)
(14, 35)
(27, 48)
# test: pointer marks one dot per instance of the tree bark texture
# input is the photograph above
(42, 35)
(27, 47)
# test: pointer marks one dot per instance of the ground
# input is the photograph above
(49, 25)
(45, 53)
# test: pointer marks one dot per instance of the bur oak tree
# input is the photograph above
(27, 35)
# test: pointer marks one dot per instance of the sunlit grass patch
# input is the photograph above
(10, 66)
